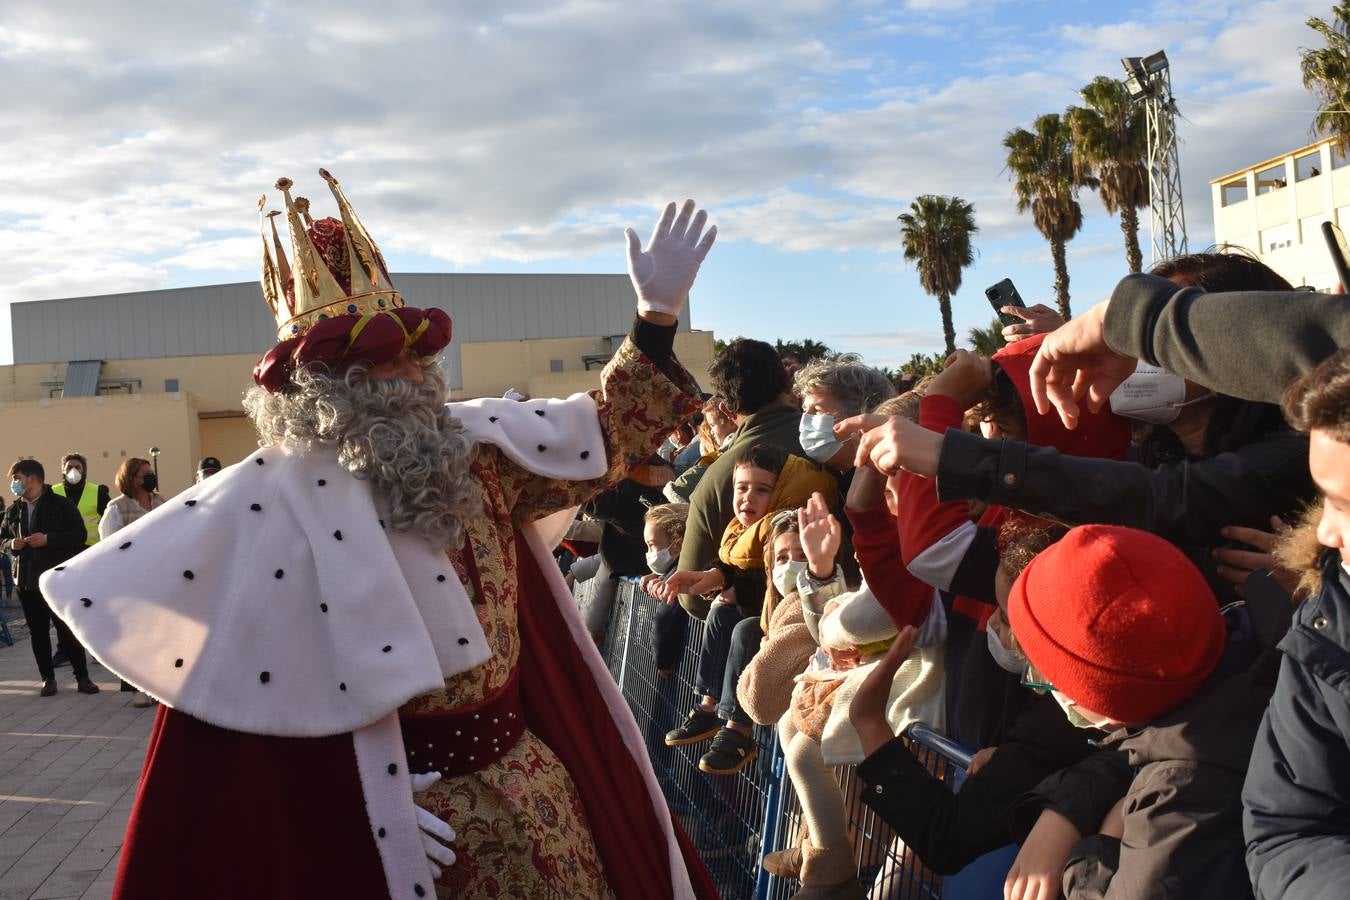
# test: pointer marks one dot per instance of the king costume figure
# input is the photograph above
(358, 633)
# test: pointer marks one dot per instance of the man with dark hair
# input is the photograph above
(43, 530)
(90, 498)
(749, 375)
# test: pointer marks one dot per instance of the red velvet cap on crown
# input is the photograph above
(1119, 621)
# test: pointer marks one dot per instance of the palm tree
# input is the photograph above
(987, 341)
(1046, 182)
(935, 235)
(1326, 72)
(1110, 141)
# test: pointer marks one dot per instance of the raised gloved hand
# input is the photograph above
(664, 272)
(434, 831)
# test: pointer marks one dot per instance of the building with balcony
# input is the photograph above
(1276, 209)
(113, 375)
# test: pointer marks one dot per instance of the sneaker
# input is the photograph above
(85, 686)
(143, 700)
(731, 751)
(48, 688)
(700, 726)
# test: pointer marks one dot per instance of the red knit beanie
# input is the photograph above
(1119, 621)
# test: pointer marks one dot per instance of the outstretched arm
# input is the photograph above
(644, 391)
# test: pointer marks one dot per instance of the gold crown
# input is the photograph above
(337, 269)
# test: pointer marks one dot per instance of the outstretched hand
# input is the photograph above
(897, 443)
(867, 711)
(820, 536)
(664, 272)
(1038, 319)
(1074, 363)
(683, 582)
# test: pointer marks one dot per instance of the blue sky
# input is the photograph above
(522, 136)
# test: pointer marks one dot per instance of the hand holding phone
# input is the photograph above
(1004, 294)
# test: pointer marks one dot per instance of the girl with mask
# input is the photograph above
(139, 485)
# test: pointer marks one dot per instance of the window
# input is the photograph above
(1277, 237)
(1309, 165)
(170, 385)
(555, 365)
(1271, 179)
(1233, 192)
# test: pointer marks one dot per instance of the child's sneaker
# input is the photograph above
(700, 726)
(731, 751)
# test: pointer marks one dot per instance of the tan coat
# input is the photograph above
(765, 687)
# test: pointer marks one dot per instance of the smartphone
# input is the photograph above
(1005, 294)
(1340, 252)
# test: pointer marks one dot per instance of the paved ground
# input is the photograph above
(68, 771)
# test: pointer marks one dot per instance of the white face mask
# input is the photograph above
(1008, 660)
(816, 434)
(1152, 394)
(785, 575)
(1076, 717)
(74, 476)
(660, 561)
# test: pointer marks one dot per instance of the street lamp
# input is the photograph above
(1148, 81)
(154, 461)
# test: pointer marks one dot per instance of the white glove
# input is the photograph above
(663, 273)
(434, 831)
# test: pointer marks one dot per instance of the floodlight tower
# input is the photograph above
(1149, 81)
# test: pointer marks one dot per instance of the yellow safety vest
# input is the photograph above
(88, 508)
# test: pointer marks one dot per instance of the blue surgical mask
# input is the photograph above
(16, 487)
(816, 434)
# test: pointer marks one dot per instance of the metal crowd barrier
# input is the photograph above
(734, 820)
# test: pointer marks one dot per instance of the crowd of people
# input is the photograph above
(1108, 557)
(47, 525)
(1112, 558)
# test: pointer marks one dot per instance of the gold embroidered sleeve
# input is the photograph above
(638, 405)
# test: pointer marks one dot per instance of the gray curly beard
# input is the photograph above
(397, 434)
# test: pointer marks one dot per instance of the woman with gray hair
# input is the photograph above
(831, 390)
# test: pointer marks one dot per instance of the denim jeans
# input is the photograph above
(730, 641)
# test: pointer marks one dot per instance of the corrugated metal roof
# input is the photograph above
(82, 378)
(232, 318)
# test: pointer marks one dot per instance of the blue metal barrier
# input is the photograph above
(734, 821)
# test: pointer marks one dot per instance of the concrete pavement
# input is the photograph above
(69, 766)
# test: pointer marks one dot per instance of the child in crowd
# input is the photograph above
(1124, 633)
(714, 435)
(663, 532)
(946, 828)
(765, 480)
(853, 634)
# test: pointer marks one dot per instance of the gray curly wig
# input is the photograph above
(397, 434)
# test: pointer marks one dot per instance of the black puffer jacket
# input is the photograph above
(1297, 795)
(59, 520)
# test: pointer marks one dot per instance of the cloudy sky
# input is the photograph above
(521, 136)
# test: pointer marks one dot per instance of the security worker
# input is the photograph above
(91, 499)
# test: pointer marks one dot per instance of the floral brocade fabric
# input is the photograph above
(521, 830)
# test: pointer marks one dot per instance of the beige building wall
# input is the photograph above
(1280, 219)
(490, 368)
(205, 416)
(107, 430)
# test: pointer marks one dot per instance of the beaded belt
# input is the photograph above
(467, 739)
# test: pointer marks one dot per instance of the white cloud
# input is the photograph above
(469, 134)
